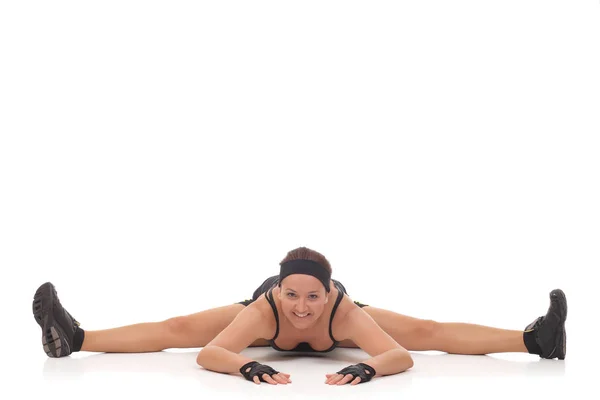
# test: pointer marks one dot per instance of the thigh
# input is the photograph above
(198, 329)
(410, 332)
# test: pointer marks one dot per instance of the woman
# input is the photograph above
(301, 309)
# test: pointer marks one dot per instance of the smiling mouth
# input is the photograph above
(302, 315)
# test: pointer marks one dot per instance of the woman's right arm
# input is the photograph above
(221, 354)
(218, 359)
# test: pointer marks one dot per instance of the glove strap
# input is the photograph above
(359, 370)
(257, 369)
(248, 375)
(368, 368)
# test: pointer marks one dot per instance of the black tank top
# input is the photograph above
(304, 346)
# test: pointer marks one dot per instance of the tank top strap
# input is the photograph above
(269, 296)
(335, 306)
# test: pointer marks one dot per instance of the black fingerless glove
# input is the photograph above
(256, 369)
(359, 370)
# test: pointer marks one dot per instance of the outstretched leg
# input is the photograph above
(451, 337)
(545, 336)
(194, 330)
(61, 334)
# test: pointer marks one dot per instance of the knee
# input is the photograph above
(427, 329)
(176, 326)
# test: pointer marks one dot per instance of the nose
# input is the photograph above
(301, 307)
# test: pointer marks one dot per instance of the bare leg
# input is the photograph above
(451, 337)
(194, 330)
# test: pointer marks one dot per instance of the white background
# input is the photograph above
(161, 158)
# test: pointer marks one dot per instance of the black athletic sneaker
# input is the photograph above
(546, 335)
(58, 326)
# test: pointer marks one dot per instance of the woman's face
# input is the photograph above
(303, 298)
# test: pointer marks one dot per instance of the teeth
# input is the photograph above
(301, 315)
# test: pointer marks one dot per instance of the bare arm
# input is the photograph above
(391, 362)
(387, 356)
(221, 354)
(222, 360)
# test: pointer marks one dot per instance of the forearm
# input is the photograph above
(222, 360)
(391, 362)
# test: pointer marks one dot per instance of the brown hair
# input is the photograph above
(304, 253)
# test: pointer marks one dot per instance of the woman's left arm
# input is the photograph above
(388, 357)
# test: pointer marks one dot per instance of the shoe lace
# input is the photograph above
(75, 322)
(535, 324)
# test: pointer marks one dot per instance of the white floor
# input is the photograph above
(174, 373)
(161, 158)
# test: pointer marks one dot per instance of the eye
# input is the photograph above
(314, 296)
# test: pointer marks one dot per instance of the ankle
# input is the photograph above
(530, 341)
(78, 338)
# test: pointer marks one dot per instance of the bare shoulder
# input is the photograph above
(247, 327)
(339, 325)
(359, 327)
(262, 305)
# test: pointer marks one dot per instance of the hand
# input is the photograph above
(280, 377)
(354, 374)
(256, 372)
(339, 379)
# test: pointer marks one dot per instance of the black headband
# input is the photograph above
(305, 267)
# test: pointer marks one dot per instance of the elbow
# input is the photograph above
(200, 359)
(208, 355)
(407, 361)
(403, 361)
